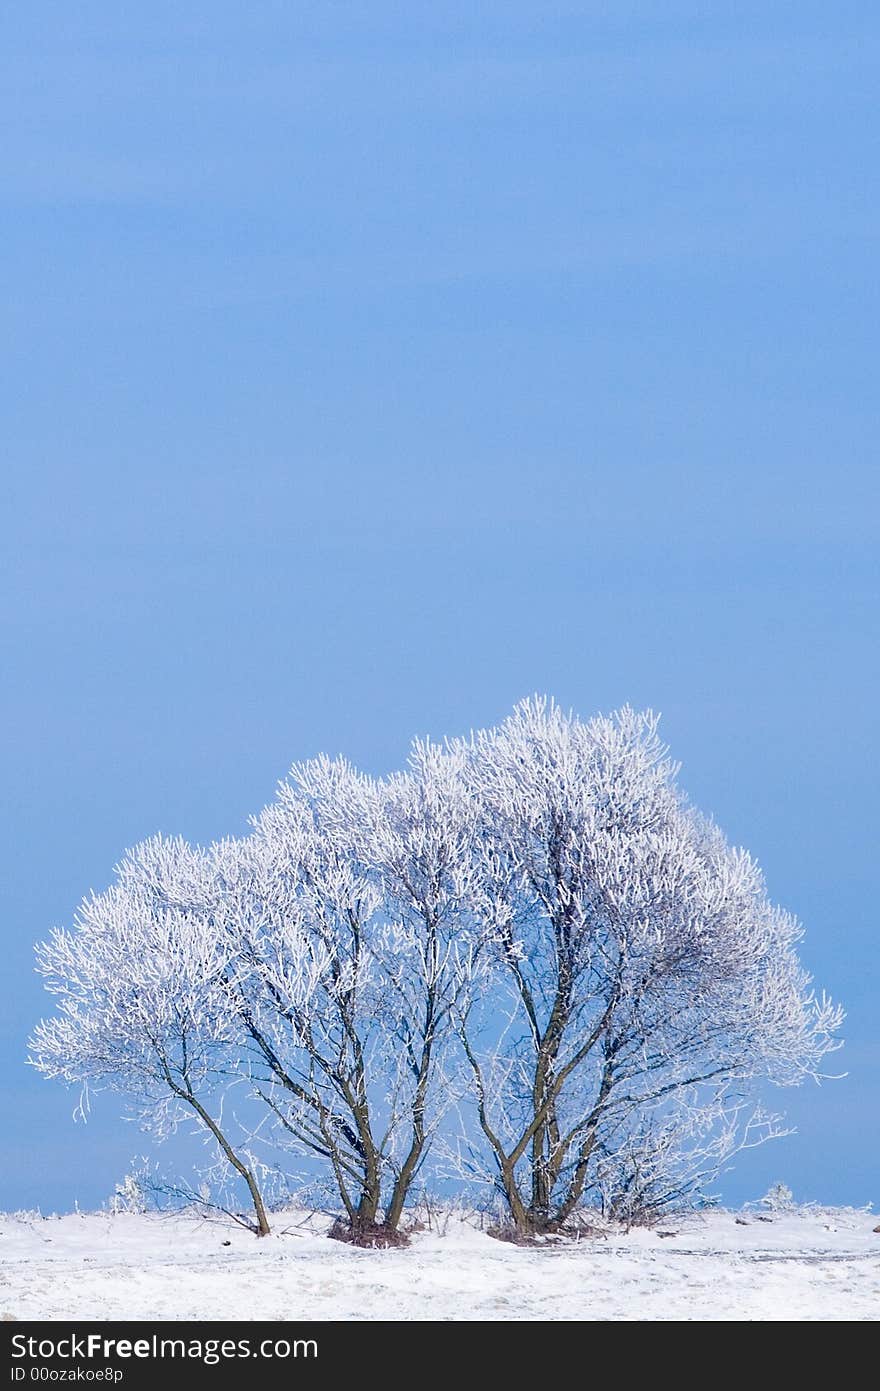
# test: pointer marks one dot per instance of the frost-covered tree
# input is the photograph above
(644, 982)
(297, 914)
(346, 909)
(143, 1005)
(536, 909)
(422, 848)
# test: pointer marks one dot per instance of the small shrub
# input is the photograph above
(779, 1198)
(129, 1195)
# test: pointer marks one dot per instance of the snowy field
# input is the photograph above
(815, 1265)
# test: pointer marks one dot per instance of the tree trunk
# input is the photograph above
(410, 1164)
(257, 1199)
(262, 1223)
(519, 1213)
(367, 1213)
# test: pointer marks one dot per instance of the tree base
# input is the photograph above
(372, 1235)
(545, 1234)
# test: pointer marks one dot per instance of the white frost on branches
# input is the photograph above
(142, 984)
(139, 980)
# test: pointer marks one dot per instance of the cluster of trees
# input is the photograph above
(526, 951)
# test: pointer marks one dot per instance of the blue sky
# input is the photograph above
(368, 366)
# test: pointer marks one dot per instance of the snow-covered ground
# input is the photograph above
(818, 1265)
